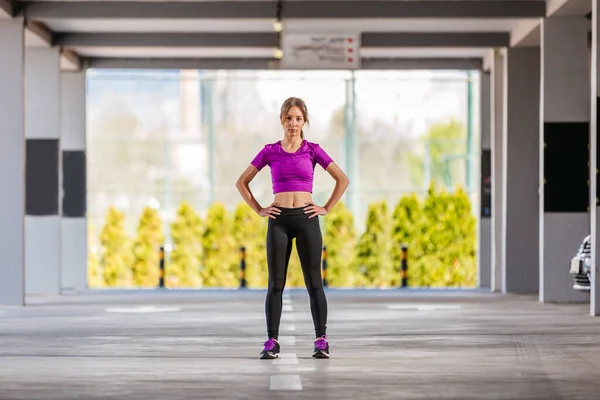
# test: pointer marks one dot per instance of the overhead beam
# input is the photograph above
(70, 61)
(422, 63)
(568, 7)
(488, 59)
(167, 39)
(43, 34)
(291, 9)
(7, 9)
(448, 39)
(267, 63)
(526, 34)
(477, 39)
(181, 63)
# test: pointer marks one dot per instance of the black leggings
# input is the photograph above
(293, 223)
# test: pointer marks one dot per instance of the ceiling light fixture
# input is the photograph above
(278, 27)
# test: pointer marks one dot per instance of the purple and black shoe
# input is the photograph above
(271, 350)
(321, 348)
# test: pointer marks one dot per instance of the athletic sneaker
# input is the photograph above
(271, 349)
(321, 348)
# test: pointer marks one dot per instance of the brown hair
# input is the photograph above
(294, 102)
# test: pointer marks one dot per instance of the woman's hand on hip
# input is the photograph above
(270, 211)
(314, 210)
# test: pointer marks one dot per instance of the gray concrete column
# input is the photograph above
(564, 155)
(594, 165)
(520, 181)
(42, 133)
(12, 162)
(497, 147)
(484, 257)
(73, 145)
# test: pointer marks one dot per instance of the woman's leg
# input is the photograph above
(279, 248)
(309, 243)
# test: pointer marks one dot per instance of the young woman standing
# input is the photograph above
(293, 214)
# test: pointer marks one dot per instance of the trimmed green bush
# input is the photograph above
(443, 253)
(183, 269)
(250, 231)
(150, 237)
(220, 259)
(439, 229)
(461, 252)
(115, 256)
(375, 245)
(340, 239)
(94, 271)
(408, 225)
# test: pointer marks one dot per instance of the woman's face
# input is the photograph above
(293, 121)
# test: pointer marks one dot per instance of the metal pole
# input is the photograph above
(167, 183)
(347, 139)
(404, 266)
(161, 266)
(469, 162)
(351, 145)
(211, 140)
(243, 283)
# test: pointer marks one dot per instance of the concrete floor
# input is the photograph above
(384, 345)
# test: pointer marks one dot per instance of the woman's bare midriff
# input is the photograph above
(292, 199)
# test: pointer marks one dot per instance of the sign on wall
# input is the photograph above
(320, 51)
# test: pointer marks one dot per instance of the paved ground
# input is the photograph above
(385, 345)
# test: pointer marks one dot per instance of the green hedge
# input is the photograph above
(439, 229)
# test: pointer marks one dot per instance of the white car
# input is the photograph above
(580, 267)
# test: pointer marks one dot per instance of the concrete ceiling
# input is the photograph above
(240, 33)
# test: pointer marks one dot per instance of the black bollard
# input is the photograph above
(404, 265)
(324, 269)
(242, 267)
(161, 266)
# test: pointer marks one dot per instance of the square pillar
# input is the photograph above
(74, 188)
(520, 180)
(497, 173)
(594, 166)
(12, 162)
(484, 257)
(42, 133)
(564, 155)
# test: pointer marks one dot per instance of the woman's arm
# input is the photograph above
(243, 186)
(341, 183)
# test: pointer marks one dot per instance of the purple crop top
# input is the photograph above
(292, 172)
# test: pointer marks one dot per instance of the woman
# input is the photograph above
(292, 215)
